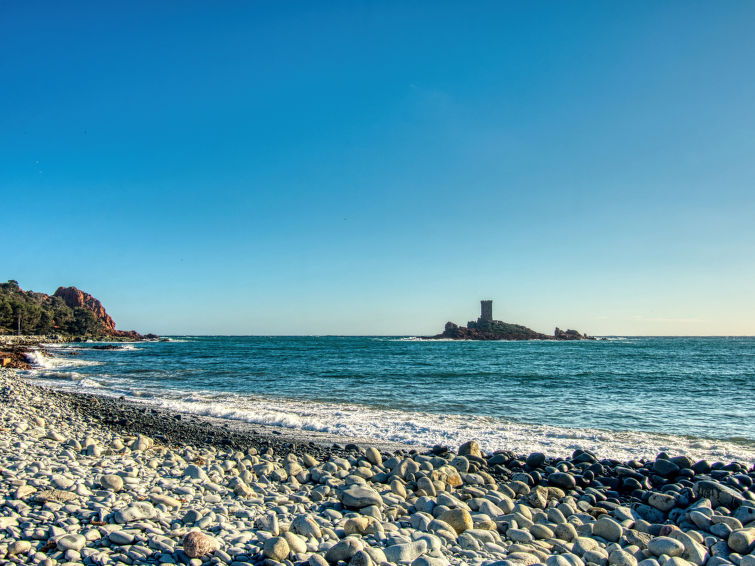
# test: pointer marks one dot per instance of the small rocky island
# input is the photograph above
(485, 328)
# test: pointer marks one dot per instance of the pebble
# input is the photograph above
(276, 548)
(742, 540)
(665, 545)
(197, 544)
(113, 497)
(405, 552)
(607, 528)
(459, 519)
(138, 511)
(562, 480)
(358, 496)
(71, 542)
(112, 482)
(344, 549)
(620, 557)
(121, 537)
(19, 547)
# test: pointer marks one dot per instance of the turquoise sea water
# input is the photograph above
(623, 397)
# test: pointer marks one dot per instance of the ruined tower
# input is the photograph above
(486, 311)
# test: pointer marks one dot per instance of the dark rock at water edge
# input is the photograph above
(499, 330)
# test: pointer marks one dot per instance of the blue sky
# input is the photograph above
(377, 168)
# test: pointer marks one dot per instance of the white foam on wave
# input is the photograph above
(428, 429)
(64, 379)
(56, 374)
(41, 360)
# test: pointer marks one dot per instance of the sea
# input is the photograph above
(622, 397)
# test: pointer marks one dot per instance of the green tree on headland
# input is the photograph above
(37, 313)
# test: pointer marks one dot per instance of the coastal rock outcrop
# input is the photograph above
(569, 335)
(76, 298)
(495, 330)
(485, 328)
(499, 330)
(69, 313)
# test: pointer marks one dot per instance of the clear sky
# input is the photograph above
(378, 167)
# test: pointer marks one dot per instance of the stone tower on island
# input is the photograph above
(486, 311)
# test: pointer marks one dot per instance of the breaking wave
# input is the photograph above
(428, 429)
(39, 359)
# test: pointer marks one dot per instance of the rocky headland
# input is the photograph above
(68, 314)
(99, 481)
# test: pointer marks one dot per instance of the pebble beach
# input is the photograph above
(100, 482)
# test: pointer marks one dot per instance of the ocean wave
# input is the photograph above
(428, 429)
(413, 428)
(55, 374)
(40, 359)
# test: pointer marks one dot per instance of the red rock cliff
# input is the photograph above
(74, 297)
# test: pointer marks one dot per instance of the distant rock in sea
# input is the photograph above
(485, 328)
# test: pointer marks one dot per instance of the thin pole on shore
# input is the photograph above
(19, 324)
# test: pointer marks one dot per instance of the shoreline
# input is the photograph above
(126, 484)
(179, 426)
(420, 431)
(147, 417)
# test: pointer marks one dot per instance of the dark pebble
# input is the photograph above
(535, 460)
(665, 468)
(563, 480)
